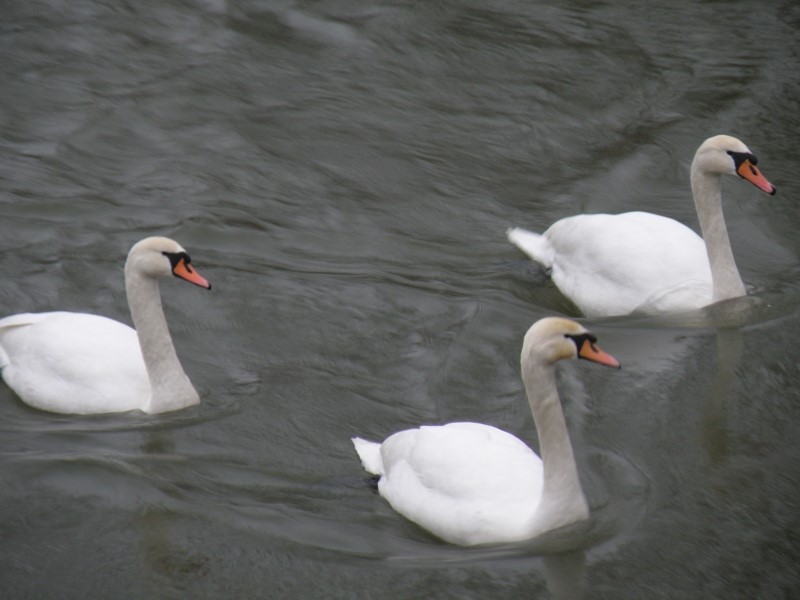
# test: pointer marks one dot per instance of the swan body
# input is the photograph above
(473, 484)
(78, 363)
(640, 262)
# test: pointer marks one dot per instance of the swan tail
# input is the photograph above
(534, 245)
(370, 455)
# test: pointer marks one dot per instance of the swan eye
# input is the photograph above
(176, 257)
(581, 338)
(740, 157)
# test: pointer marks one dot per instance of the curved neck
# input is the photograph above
(562, 499)
(170, 388)
(708, 201)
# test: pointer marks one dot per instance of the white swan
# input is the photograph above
(640, 262)
(77, 363)
(471, 484)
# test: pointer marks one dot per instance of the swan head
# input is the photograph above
(727, 155)
(161, 256)
(553, 338)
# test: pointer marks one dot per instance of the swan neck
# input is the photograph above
(170, 388)
(562, 501)
(706, 189)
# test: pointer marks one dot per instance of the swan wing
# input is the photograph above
(467, 483)
(73, 363)
(615, 264)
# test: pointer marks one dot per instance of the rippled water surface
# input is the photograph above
(343, 172)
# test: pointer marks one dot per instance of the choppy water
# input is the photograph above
(343, 172)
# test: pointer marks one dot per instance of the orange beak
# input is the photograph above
(591, 352)
(185, 271)
(750, 172)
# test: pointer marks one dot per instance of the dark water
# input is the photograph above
(343, 172)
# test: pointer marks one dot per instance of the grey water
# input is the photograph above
(343, 173)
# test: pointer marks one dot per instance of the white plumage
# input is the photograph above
(470, 483)
(641, 262)
(78, 363)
